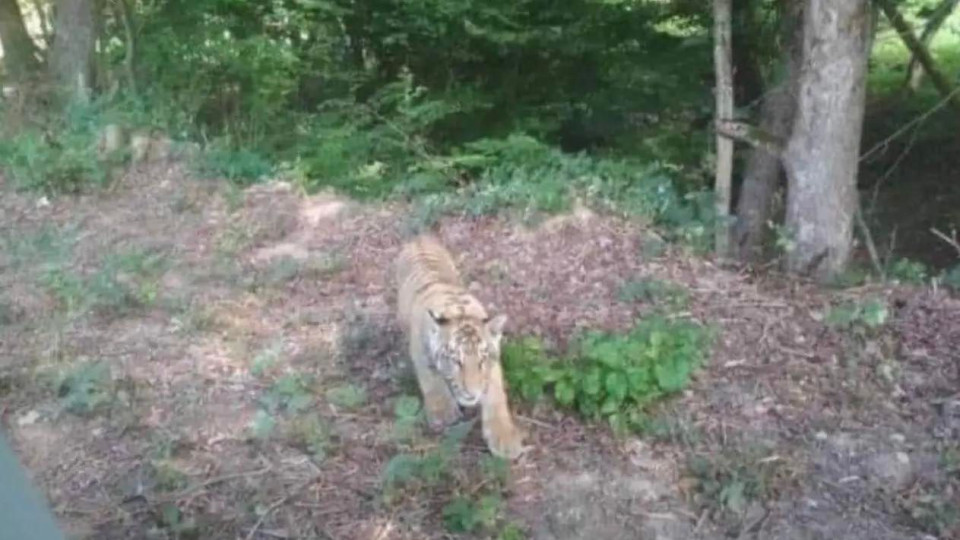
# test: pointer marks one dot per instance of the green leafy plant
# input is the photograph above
(290, 393)
(123, 282)
(85, 387)
(463, 515)
(869, 314)
(609, 376)
(409, 471)
(728, 481)
(908, 271)
(347, 396)
(655, 291)
(408, 414)
(312, 434)
(241, 167)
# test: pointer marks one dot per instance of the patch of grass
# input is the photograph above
(611, 377)
(655, 291)
(192, 317)
(266, 359)
(313, 435)
(407, 416)
(933, 505)
(167, 475)
(85, 388)
(48, 247)
(466, 515)
(670, 427)
(347, 396)
(123, 282)
(412, 472)
(289, 393)
(240, 167)
(869, 314)
(53, 162)
(473, 498)
(285, 269)
(233, 240)
(727, 482)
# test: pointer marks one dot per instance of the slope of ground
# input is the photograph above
(181, 359)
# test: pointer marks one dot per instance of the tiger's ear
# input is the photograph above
(437, 317)
(495, 326)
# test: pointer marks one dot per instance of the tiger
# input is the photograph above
(454, 345)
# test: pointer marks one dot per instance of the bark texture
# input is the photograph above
(723, 58)
(72, 57)
(821, 157)
(762, 173)
(20, 55)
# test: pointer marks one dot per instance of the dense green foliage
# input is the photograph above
(384, 97)
(610, 376)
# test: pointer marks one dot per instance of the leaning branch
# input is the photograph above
(919, 51)
(751, 135)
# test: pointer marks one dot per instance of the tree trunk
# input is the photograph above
(125, 15)
(72, 57)
(934, 23)
(822, 154)
(722, 59)
(20, 55)
(920, 52)
(762, 176)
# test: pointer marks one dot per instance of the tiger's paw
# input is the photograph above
(504, 439)
(442, 415)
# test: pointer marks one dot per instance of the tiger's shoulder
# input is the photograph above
(428, 278)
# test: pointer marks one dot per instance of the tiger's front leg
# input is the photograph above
(439, 404)
(502, 435)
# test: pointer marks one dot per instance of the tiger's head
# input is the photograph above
(463, 351)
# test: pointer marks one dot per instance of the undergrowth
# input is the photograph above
(469, 497)
(610, 377)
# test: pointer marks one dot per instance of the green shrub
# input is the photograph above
(85, 388)
(241, 167)
(64, 163)
(610, 376)
(907, 271)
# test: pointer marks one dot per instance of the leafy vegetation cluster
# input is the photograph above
(610, 377)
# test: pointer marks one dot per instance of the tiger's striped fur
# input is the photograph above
(454, 344)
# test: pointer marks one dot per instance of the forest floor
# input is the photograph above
(184, 359)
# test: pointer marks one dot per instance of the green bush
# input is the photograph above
(609, 376)
(62, 163)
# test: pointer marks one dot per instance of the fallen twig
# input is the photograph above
(952, 242)
(216, 480)
(279, 502)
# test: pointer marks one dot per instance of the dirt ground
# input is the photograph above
(795, 429)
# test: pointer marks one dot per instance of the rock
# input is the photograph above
(891, 471)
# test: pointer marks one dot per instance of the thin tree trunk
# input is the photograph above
(46, 31)
(939, 16)
(822, 154)
(920, 52)
(722, 58)
(20, 55)
(72, 57)
(762, 176)
(129, 59)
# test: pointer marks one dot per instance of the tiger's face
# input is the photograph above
(463, 351)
